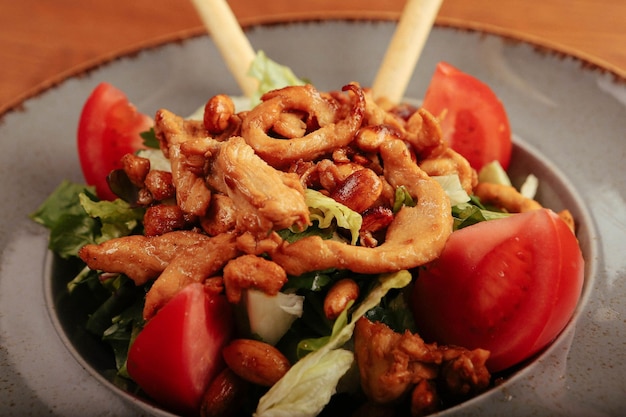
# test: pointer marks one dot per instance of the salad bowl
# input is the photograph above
(569, 126)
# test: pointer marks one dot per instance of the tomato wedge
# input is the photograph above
(473, 120)
(508, 285)
(179, 351)
(108, 128)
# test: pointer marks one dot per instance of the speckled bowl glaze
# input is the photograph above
(570, 127)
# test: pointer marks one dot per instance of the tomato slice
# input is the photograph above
(509, 286)
(108, 128)
(179, 351)
(473, 120)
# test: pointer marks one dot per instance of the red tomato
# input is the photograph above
(179, 351)
(108, 129)
(474, 122)
(508, 286)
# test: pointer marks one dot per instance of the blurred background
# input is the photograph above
(43, 41)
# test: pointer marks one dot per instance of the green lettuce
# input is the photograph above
(467, 214)
(451, 184)
(75, 218)
(324, 210)
(310, 383)
(117, 217)
(271, 76)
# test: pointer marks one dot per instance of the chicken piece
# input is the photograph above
(252, 245)
(266, 199)
(390, 363)
(416, 236)
(424, 399)
(464, 371)
(192, 195)
(139, 257)
(221, 217)
(331, 134)
(393, 364)
(505, 197)
(450, 162)
(423, 133)
(196, 263)
(250, 271)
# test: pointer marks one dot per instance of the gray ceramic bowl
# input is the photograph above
(570, 126)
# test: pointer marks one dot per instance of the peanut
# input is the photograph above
(160, 185)
(136, 168)
(217, 113)
(338, 297)
(359, 191)
(222, 397)
(256, 362)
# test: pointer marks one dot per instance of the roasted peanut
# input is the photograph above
(375, 221)
(338, 297)
(217, 113)
(160, 185)
(136, 168)
(163, 218)
(359, 191)
(222, 398)
(256, 362)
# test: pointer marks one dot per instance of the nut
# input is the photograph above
(256, 362)
(338, 297)
(222, 397)
(217, 113)
(359, 191)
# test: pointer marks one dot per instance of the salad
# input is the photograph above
(312, 252)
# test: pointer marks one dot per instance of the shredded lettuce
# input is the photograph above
(466, 214)
(307, 387)
(270, 316)
(324, 210)
(271, 76)
(529, 188)
(451, 184)
(493, 173)
(402, 198)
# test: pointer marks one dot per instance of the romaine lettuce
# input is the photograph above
(307, 387)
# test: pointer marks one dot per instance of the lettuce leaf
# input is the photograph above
(75, 218)
(70, 226)
(451, 184)
(307, 387)
(117, 217)
(271, 76)
(402, 198)
(324, 210)
(466, 214)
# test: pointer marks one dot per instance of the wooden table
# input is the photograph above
(43, 41)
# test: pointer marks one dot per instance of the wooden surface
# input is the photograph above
(43, 41)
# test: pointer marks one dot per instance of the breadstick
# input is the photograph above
(405, 48)
(230, 39)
